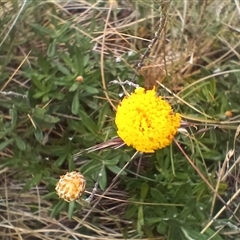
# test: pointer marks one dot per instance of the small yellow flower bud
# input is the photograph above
(79, 79)
(71, 186)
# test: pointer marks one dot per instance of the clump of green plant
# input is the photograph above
(58, 101)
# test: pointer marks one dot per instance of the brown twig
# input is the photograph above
(164, 4)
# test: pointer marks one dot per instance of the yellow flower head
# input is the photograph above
(71, 186)
(146, 121)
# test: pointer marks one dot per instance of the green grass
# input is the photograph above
(47, 116)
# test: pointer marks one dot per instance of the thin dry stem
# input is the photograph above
(207, 182)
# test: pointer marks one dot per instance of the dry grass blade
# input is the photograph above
(209, 185)
(14, 22)
(20, 222)
(102, 57)
(14, 73)
(164, 5)
(220, 177)
(221, 210)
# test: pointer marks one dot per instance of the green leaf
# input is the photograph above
(36, 179)
(62, 69)
(58, 208)
(57, 150)
(45, 98)
(171, 211)
(67, 60)
(20, 143)
(39, 113)
(113, 161)
(212, 87)
(116, 170)
(78, 61)
(13, 115)
(86, 60)
(212, 155)
(75, 103)
(88, 122)
(44, 31)
(51, 119)
(162, 227)
(39, 95)
(132, 211)
(74, 87)
(63, 29)
(33, 182)
(36, 79)
(71, 163)
(39, 135)
(44, 64)
(5, 144)
(192, 235)
(71, 207)
(156, 194)
(51, 51)
(76, 126)
(58, 96)
(103, 114)
(91, 90)
(60, 160)
(103, 179)
(210, 232)
(140, 219)
(183, 190)
(154, 220)
(144, 191)
(50, 196)
(90, 167)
